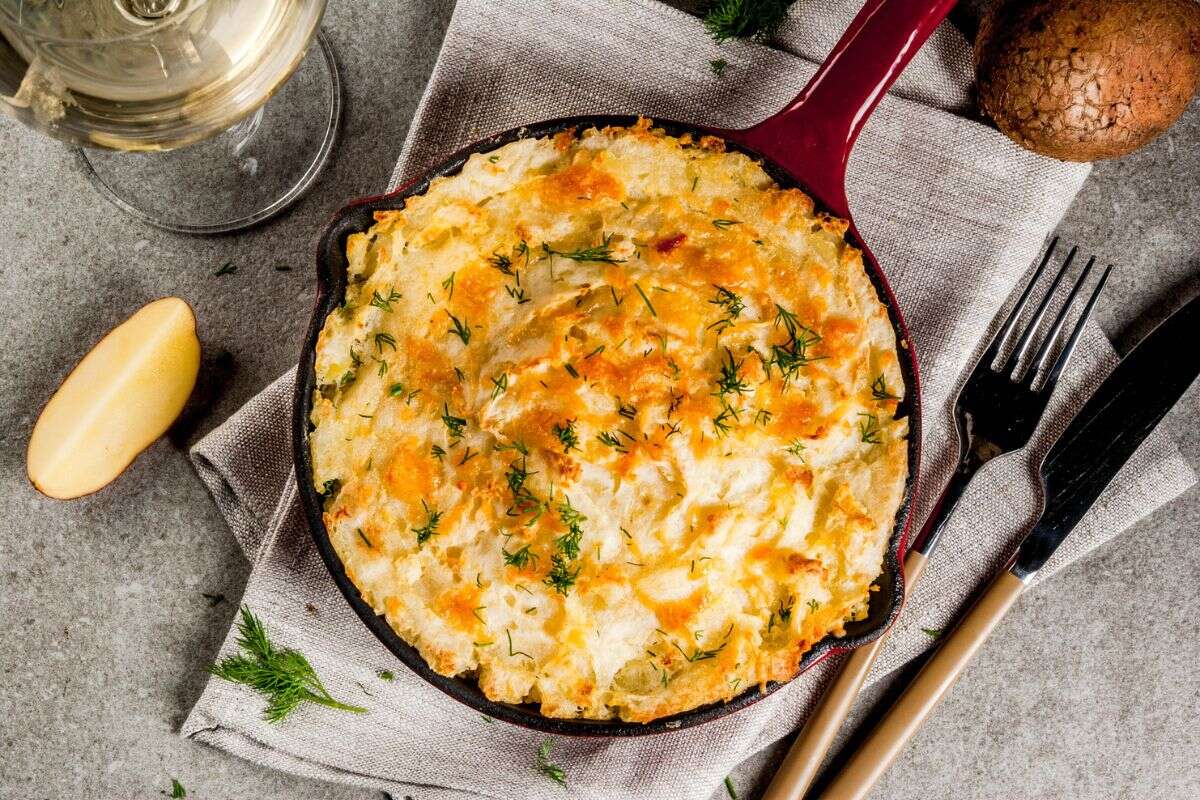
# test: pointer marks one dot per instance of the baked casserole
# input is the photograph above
(606, 421)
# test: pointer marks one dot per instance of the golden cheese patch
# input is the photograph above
(606, 420)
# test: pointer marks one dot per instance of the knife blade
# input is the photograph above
(1130, 402)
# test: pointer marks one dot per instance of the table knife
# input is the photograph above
(1097, 443)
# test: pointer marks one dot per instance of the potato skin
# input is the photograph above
(1083, 80)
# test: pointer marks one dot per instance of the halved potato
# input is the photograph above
(122, 396)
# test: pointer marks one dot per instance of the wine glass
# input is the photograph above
(168, 100)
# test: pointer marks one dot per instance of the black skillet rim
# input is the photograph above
(884, 606)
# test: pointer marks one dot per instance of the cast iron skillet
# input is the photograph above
(806, 145)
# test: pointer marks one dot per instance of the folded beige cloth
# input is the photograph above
(954, 212)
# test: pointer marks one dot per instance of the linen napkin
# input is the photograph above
(954, 212)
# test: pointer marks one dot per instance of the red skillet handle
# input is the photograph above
(812, 137)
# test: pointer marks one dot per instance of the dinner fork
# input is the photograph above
(996, 412)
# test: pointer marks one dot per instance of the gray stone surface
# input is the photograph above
(1090, 688)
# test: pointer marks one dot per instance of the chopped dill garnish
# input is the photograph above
(520, 558)
(383, 340)
(612, 440)
(813, 605)
(731, 303)
(502, 263)
(616, 300)
(868, 429)
(568, 543)
(177, 790)
(601, 252)
(733, 795)
(625, 410)
(595, 352)
(499, 385)
(517, 293)
(363, 536)
(793, 354)
(228, 268)
(544, 765)
(386, 675)
(448, 285)
(561, 578)
(879, 389)
(566, 434)
(745, 19)
(932, 633)
(570, 368)
(729, 381)
(383, 367)
(646, 300)
(437, 451)
(330, 488)
(519, 446)
(513, 652)
(432, 518)
(467, 456)
(396, 389)
(454, 425)
(385, 303)
(725, 224)
(721, 421)
(796, 448)
(524, 500)
(460, 329)
(762, 416)
(282, 674)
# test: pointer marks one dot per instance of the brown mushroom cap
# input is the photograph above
(1082, 80)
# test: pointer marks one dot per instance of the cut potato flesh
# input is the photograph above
(122, 396)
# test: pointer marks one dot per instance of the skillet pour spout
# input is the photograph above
(805, 146)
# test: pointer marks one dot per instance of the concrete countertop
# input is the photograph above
(1089, 689)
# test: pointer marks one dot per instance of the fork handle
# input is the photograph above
(922, 696)
(795, 774)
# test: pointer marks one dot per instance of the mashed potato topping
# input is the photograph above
(606, 421)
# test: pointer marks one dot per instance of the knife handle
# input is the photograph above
(795, 774)
(922, 696)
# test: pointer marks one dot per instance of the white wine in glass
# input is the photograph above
(167, 98)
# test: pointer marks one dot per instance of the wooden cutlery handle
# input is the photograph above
(795, 774)
(905, 718)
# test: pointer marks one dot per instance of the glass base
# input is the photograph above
(241, 177)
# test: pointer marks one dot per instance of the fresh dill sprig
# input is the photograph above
(518, 445)
(499, 385)
(502, 263)
(519, 558)
(448, 285)
(729, 380)
(228, 268)
(868, 429)
(177, 790)
(383, 340)
(879, 389)
(568, 543)
(283, 675)
(601, 253)
(544, 765)
(626, 410)
(437, 451)
(561, 578)
(432, 518)
(796, 448)
(793, 354)
(646, 300)
(524, 500)
(566, 435)
(721, 422)
(725, 224)
(762, 416)
(731, 303)
(813, 605)
(732, 792)
(454, 425)
(384, 303)
(745, 19)
(461, 329)
(612, 440)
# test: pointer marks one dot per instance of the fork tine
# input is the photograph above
(1065, 355)
(1027, 337)
(1002, 335)
(1060, 321)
